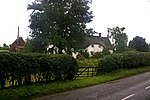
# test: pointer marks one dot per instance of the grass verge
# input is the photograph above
(37, 90)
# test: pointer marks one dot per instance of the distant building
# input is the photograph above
(17, 45)
(94, 44)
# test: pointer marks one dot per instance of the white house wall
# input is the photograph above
(94, 48)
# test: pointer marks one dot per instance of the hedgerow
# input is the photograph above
(25, 69)
(125, 60)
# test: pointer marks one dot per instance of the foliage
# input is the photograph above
(5, 47)
(20, 69)
(39, 90)
(60, 22)
(36, 44)
(119, 38)
(80, 57)
(85, 54)
(139, 44)
(124, 60)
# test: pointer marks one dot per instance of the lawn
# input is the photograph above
(88, 62)
(4, 50)
(38, 90)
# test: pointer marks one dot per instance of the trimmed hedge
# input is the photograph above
(127, 60)
(24, 69)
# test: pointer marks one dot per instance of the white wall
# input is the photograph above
(95, 48)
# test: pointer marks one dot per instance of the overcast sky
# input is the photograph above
(134, 15)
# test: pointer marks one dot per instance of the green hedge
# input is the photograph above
(20, 69)
(124, 60)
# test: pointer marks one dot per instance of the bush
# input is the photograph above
(124, 60)
(98, 55)
(19, 69)
(85, 54)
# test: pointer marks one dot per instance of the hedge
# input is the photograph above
(25, 69)
(125, 60)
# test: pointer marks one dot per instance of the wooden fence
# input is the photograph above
(85, 72)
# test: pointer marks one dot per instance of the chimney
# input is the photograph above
(18, 33)
(17, 39)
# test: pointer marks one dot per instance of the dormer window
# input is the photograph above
(92, 45)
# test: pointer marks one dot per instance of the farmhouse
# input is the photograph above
(96, 44)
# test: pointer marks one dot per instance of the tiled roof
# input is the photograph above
(20, 41)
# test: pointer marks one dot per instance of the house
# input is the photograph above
(94, 44)
(17, 45)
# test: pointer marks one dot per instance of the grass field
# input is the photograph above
(37, 90)
(4, 50)
(88, 62)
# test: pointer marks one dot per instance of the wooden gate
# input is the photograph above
(86, 72)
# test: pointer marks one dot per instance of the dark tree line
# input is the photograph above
(139, 44)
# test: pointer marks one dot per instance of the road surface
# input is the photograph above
(131, 88)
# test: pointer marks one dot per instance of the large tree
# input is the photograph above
(60, 22)
(139, 44)
(119, 38)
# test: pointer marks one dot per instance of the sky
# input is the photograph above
(134, 15)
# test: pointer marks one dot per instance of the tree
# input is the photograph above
(5, 47)
(60, 22)
(119, 38)
(36, 44)
(139, 44)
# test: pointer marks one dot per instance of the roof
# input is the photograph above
(20, 42)
(104, 41)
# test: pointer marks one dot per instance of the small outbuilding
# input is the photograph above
(17, 45)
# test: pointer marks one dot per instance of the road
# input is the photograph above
(131, 88)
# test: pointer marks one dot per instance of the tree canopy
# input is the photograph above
(119, 38)
(60, 22)
(139, 44)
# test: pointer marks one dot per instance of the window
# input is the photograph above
(92, 45)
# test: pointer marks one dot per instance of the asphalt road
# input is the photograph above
(131, 88)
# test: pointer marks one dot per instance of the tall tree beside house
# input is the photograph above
(61, 22)
(119, 38)
(139, 44)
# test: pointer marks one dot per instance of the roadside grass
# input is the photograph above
(39, 90)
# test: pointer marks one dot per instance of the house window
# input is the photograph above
(92, 45)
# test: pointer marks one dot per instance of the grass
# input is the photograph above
(38, 90)
(4, 50)
(88, 62)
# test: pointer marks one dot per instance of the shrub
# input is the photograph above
(85, 54)
(98, 55)
(19, 69)
(124, 60)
